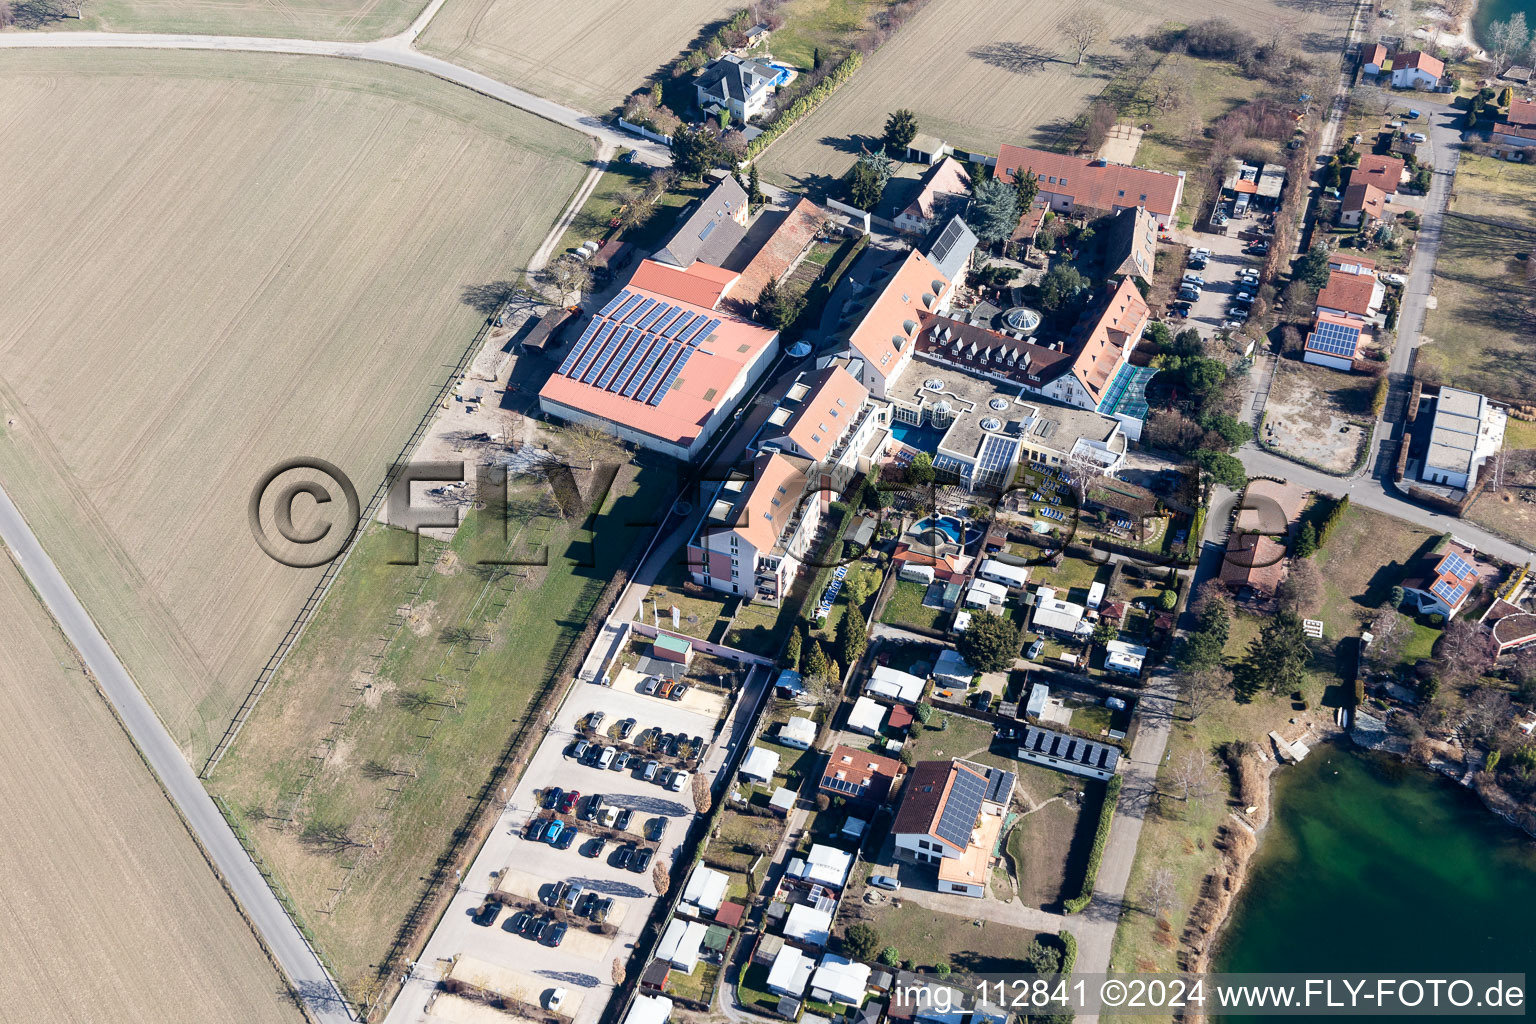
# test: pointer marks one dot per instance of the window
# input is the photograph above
(734, 572)
(734, 542)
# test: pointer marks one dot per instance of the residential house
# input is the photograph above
(759, 529)
(680, 944)
(1072, 182)
(1512, 632)
(1466, 431)
(1373, 59)
(884, 340)
(1254, 563)
(759, 765)
(649, 1010)
(950, 669)
(1054, 615)
(1514, 136)
(1441, 583)
(1014, 577)
(1130, 244)
(839, 980)
(705, 891)
(790, 973)
(1334, 340)
(1381, 170)
(657, 366)
(984, 595)
(808, 926)
(1124, 657)
(711, 230)
(895, 685)
(826, 417)
(866, 716)
(950, 816)
(1071, 754)
(858, 776)
(1363, 205)
(741, 85)
(822, 865)
(1416, 70)
(1355, 296)
(797, 733)
(943, 192)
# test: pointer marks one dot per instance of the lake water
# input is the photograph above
(1371, 865)
(1489, 11)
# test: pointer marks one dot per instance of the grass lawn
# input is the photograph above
(699, 612)
(373, 742)
(698, 986)
(1364, 558)
(905, 608)
(1483, 320)
(591, 221)
(1041, 848)
(928, 937)
(759, 628)
(1071, 579)
(1421, 643)
(1486, 187)
(1519, 434)
(827, 25)
(752, 990)
(740, 835)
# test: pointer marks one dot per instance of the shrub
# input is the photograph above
(801, 107)
(1168, 599)
(861, 941)
(923, 712)
(890, 957)
(1079, 903)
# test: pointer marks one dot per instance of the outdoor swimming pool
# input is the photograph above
(784, 72)
(947, 525)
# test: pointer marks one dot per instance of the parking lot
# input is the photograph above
(1227, 260)
(522, 874)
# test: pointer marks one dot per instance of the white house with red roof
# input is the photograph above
(1070, 182)
(1354, 295)
(1514, 136)
(1363, 203)
(659, 365)
(758, 529)
(944, 189)
(827, 418)
(884, 340)
(1416, 70)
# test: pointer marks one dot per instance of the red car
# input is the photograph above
(568, 803)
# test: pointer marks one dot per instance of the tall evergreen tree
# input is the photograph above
(852, 635)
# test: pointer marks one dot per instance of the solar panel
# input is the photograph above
(961, 809)
(615, 302)
(645, 322)
(618, 359)
(633, 361)
(645, 369)
(1335, 339)
(593, 349)
(629, 305)
(680, 323)
(841, 785)
(576, 349)
(709, 329)
(639, 311)
(604, 354)
(1449, 592)
(693, 331)
(671, 318)
(1455, 565)
(666, 384)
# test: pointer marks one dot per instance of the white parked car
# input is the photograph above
(556, 999)
(1418, 137)
(885, 882)
(1397, 279)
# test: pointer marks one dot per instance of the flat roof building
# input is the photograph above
(1467, 430)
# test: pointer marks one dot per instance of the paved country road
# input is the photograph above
(266, 915)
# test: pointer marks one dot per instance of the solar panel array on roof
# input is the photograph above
(962, 808)
(1455, 565)
(1449, 592)
(666, 384)
(636, 347)
(841, 785)
(615, 302)
(999, 786)
(1334, 339)
(1069, 748)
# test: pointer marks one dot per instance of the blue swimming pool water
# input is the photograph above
(782, 76)
(922, 438)
(947, 526)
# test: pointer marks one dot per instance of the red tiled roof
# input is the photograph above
(1343, 261)
(1349, 292)
(1385, 172)
(701, 284)
(730, 914)
(915, 288)
(1117, 328)
(1099, 185)
(1375, 55)
(860, 769)
(922, 802)
(781, 249)
(1368, 198)
(900, 717)
(710, 373)
(947, 178)
(773, 495)
(1425, 62)
(1522, 113)
(831, 405)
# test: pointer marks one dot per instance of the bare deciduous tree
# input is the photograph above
(567, 275)
(1082, 28)
(1190, 776)
(1463, 649)
(1389, 633)
(1488, 712)
(617, 972)
(1203, 688)
(1159, 892)
(702, 801)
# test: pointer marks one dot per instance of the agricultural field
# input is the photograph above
(377, 735)
(1483, 276)
(978, 75)
(299, 19)
(588, 56)
(112, 913)
(217, 262)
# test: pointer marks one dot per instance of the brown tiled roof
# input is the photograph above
(1096, 184)
(1349, 292)
(922, 802)
(834, 401)
(1035, 364)
(781, 249)
(1425, 62)
(1364, 197)
(915, 287)
(1375, 55)
(1522, 113)
(773, 496)
(1385, 172)
(1115, 326)
(948, 177)
(860, 769)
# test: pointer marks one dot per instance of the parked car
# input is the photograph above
(1194, 279)
(678, 691)
(621, 762)
(698, 746)
(572, 894)
(556, 1000)
(567, 837)
(885, 882)
(651, 768)
(641, 860)
(1189, 294)
(552, 897)
(584, 908)
(552, 797)
(579, 751)
(519, 922)
(486, 915)
(1397, 279)
(1231, 325)
(1200, 253)
(1180, 310)
(622, 821)
(594, 804)
(1035, 649)
(568, 801)
(553, 833)
(1418, 137)
(1413, 115)
(623, 855)
(609, 753)
(650, 685)
(1395, 125)
(1196, 264)
(601, 908)
(595, 720)
(1257, 249)
(536, 928)
(664, 779)
(626, 727)
(656, 828)
(556, 934)
(594, 847)
(677, 782)
(665, 689)
(981, 701)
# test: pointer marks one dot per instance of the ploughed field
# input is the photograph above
(214, 263)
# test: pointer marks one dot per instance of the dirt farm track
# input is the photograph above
(111, 914)
(981, 74)
(216, 262)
